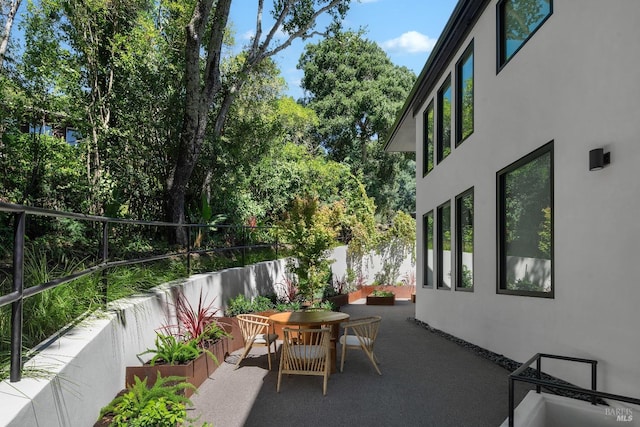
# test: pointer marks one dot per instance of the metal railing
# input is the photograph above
(18, 291)
(593, 393)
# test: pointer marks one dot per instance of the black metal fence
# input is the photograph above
(201, 239)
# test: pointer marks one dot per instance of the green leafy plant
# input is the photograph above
(321, 306)
(172, 351)
(195, 323)
(241, 304)
(161, 405)
(261, 303)
(379, 293)
(467, 277)
(395, 244)
(310, 233)
(238, 305)
(290, 306)
(213, 332)
(337, 286)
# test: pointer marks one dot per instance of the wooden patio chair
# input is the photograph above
(255, 332)
(365, 331)
(305, 352)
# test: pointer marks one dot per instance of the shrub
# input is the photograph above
(158, 406)
(172, 351)
(378, 293)
(241, 305)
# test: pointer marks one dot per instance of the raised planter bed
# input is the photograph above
(371, 300)
(401, 292)
(355, 296)
(195, 372)
(339, 300)
(198, 370)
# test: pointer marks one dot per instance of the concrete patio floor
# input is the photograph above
(426, 380)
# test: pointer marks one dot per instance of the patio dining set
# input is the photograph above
(309, 342)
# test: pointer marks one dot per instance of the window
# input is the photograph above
(525, 225)
(72, 136)
(518, 20)
(444, 120)
(427, 158)
(427, 229)
(444, 246)
(464, 241)
(464, 95)
(41, 130)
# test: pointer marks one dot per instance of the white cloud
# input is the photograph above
(410, 42)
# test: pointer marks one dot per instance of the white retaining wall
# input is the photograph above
(371, 265)
(88, 362)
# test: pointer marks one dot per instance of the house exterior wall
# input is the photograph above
(575, 82)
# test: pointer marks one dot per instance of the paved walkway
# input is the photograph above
(426, 380)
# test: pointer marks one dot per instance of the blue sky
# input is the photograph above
(407, 30)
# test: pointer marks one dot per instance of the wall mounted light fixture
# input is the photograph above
(598, 159)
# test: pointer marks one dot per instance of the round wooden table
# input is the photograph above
(313, 319)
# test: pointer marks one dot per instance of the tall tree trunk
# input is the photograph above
(6, 31)
(202, 89)
(198, 99)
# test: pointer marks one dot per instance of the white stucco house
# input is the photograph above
(529, 241)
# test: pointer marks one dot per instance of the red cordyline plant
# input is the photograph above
(193, 322)
(290, 289)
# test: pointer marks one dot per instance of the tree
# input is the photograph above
(114, 71)
(8, 11)
(205, 89)
(254, 128)
(356, 91)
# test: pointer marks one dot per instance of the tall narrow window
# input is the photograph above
(525, 224)
(464, 95)
(464, 240)
(427, 227)
(518, 20)
(427, 158)
(444, 120)
(444, 246)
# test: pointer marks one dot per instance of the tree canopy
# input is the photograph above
(166, 123)
(356, 91)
